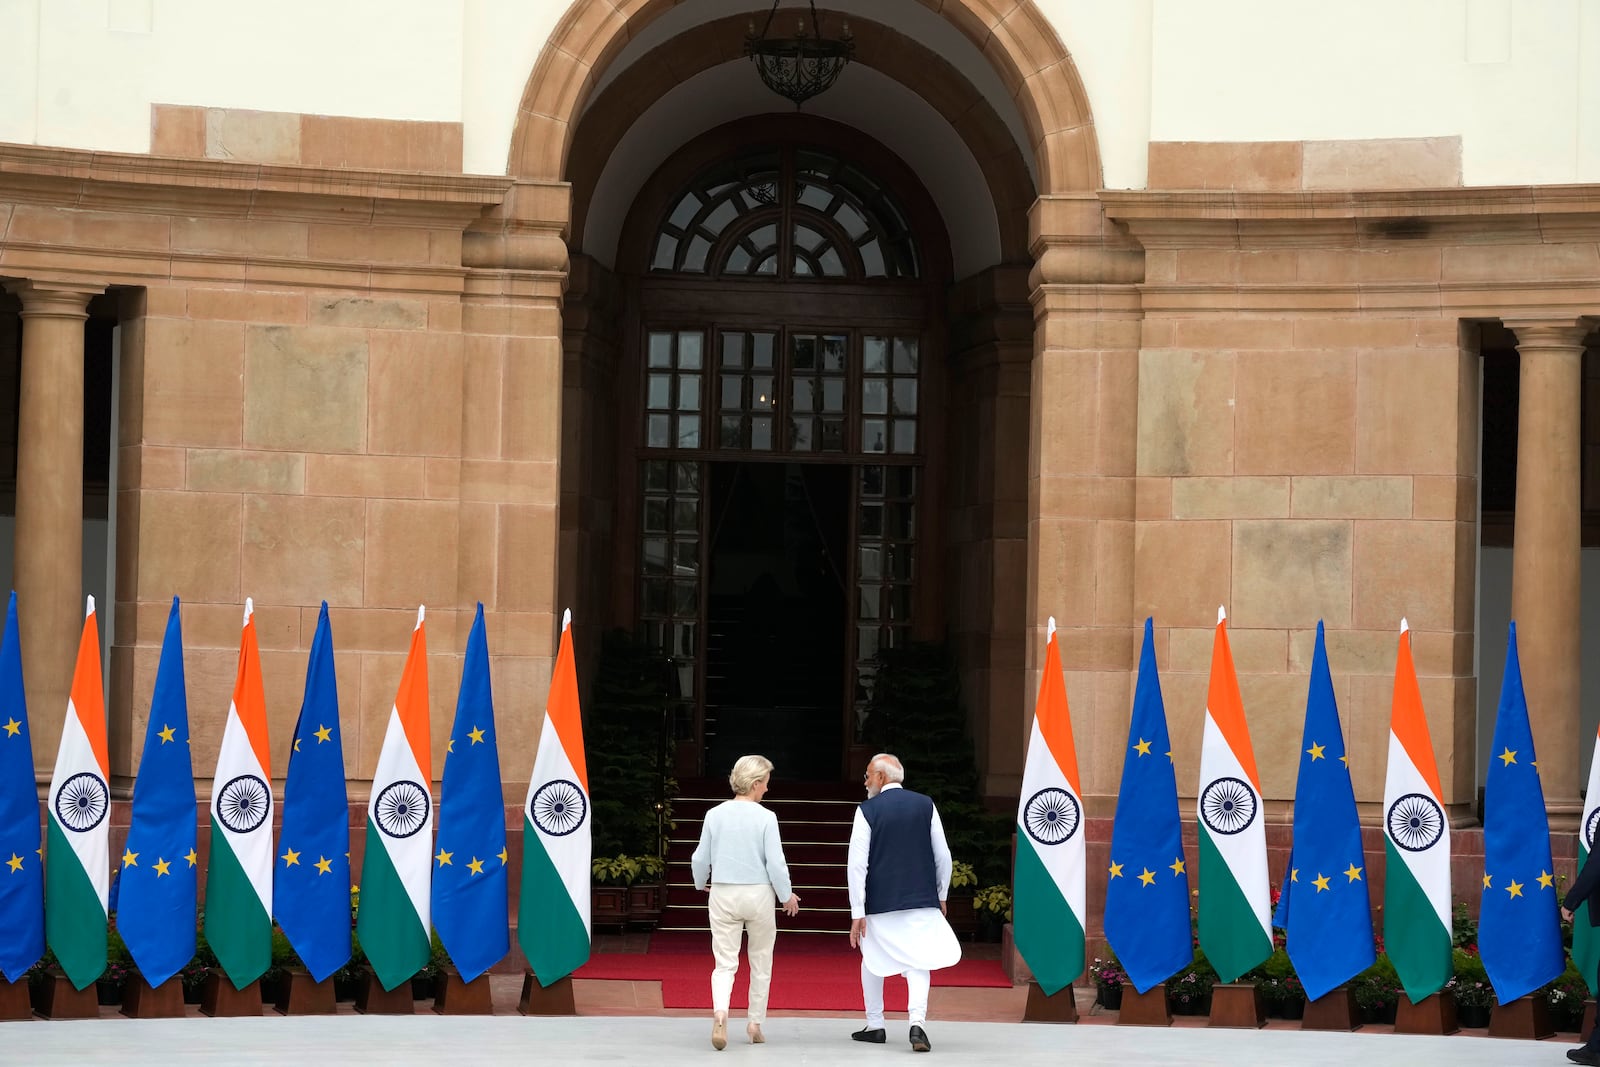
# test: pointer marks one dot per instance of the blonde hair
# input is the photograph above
(747, 772)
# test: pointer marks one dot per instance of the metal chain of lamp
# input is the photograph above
(799, 67)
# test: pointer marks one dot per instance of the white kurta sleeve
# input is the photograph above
(856, 869)
(941, 856)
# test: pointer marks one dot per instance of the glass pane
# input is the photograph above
(732, 392)
(683, 639)
(660, 391)
(685, 598)
(694, 258)
(768, 265)
(814, 196)
(688, 476)
(871, 521)
(661, 350)
(655, 596)
(761, 393)
(903, 481)
(867, 604)
(684, 213)
(905, 436)
(688, 431)
(655, 515)
(738, 261)
(801, 268)
(666, 249)
(872, 259)
(733, 350)
(833, 435)
(871, 561)
(802, 429)
(832, 265)
(688, 392)
(874, 435)
(905, 397)
(833, 396)
(685, 675)
(899, 557)
(689, 345)
(833, 353)
(655, 555)
(686, 557)
(866, 642)
(658, 432)
(764, 237)
(875, 355)
(872, 481)
(655, 474)
(686, 516)
(763, 350)
(720, 216)
(761, 434)
(848, 217)
(808, 240)
(905, 355)
(899, 603)
(875, 396)
(901, 520)
(804, 399)
(730, 434)
(805, 353)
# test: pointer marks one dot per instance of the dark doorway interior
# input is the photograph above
(776, 620)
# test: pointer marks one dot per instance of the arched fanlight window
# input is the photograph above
(800, 214)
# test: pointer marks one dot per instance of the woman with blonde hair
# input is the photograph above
(741, 857)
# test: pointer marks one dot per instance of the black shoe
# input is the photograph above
(877, 1037)
(919, 1040)
(1584, 1055)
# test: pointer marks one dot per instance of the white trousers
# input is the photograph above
(735, 909)
(917, 983)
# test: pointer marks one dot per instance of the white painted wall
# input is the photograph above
(1505, 75)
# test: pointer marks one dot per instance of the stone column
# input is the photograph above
(1546, 560)
(48, 539)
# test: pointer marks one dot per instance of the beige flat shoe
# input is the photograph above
(756, 1036)
(719, 1031)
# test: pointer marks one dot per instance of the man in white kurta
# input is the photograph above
(899, 874)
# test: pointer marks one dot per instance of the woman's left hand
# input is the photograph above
(791, 907)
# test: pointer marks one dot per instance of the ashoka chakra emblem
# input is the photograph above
(1051, 816)
(558, 807)
(1227, 806)
(1416, 822)
(1589, 826)
(83, 802)
(402, 808)
(244, 803)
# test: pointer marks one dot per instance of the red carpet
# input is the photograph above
(808, 974)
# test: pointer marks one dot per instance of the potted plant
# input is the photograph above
(282, 959)
(347, 979)
(1109, 979)
(423, 982)
(1280, 987)
(644, 892)
(1377, 991)
(1473, 992)
(1189, 991)
(119, 968)
(608, 899)
(1565, 996)
(959, 903)
(993, 905)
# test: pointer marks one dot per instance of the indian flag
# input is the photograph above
(1235, 899)
(1416, 843)
(238, 899)
(1585, 938)
(553, 910)
(77, 877)
(1049, 904)
(393, 920)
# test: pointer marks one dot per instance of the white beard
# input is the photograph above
(872, 791)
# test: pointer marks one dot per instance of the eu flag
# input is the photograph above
(1147, 891)
(311, 875)
(1326, 909)
(469, 868)
(156, 875)
(1519, 921)
(22, 877)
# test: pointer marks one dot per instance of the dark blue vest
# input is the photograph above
(900, 868)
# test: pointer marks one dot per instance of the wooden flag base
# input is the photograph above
(221, 999)
(16, 1002)
(55, 998)
(141, 1000)
(1587, 1025)
(1334, 1010)
(554, 999)
(452, 996)
(1526, 1018)
(1435, 1015)
(300, 994)
(373, 999)
(1058, 1007)
(1149, 1008)
(1239, 1005)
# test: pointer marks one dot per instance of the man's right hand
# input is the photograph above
(858, 930)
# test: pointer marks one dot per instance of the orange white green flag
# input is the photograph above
(238, 894)
(1585, 937)
(1235, 897)
(77, 873)
(1416, 843)
(1048, 909)
(553, 910)
(394, 920)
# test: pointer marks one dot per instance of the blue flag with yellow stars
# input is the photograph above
(311, 874)
(469, 870)
(22, 876)
(1147, 891)
(156, 876)
(1325, 907)
(1519, 919)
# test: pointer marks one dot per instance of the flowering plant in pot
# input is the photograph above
(1109, 980)
(1471, 987)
